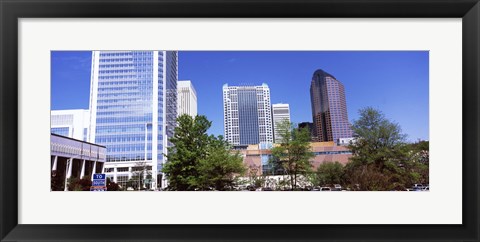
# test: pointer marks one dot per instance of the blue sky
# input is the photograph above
(395, 82)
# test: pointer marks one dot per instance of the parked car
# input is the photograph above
(426, 188)
(267, 189)
(337, 187)
(417, 186)
(325, 189)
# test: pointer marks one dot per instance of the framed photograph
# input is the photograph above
(361, 92)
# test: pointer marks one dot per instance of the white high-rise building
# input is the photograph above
(280, 113)
(186, 99)
(73, 123)
(247, 114)
(133, 105)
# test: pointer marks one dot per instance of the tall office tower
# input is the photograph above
(280, 113)
(133, 104)
(187, 98)
(247, 114)
(71, 123)
(329, 108)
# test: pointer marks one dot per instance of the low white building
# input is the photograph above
(74, 158)
(72, 123)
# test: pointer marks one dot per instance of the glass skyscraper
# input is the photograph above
(133, 105)
(329, 108)
(247, 114)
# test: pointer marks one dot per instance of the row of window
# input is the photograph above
(131, 106)
(118, 77)
(138, 148)
(140, 82)
(125, 138)
(128, 157)
(131, 119)
(136, 64)
(116, 71)
(125, 100)
(121, 129)
(124, 89)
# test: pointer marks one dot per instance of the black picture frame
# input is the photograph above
(12, 10)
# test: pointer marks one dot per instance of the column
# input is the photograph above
(54, 168)
(144, 176)
(82, 172)
(68, 172)
(93, 169)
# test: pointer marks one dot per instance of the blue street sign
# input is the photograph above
(99, 180)
(99, 176)
(99, 183)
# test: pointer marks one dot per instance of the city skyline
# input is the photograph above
(395, 82)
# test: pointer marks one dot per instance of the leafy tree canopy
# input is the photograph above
(293, 154)
(198, 161)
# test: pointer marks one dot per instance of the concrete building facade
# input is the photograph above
(255, 157)
(280, 113)
(186, 98)
(73, 123)
(74, 158)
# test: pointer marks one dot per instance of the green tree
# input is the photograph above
(418, 162)
(198, 161)
(76, 184)
(57, 181)
(220, 169)
(378, 152)
(140, 172)
(190, 143)
(293, 154)
(329, 173)
(112, 186)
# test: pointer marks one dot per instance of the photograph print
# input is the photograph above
(168, 120)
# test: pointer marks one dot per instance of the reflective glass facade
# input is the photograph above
(247, 114)
(64, 131)
(132, 96)
(329, 108)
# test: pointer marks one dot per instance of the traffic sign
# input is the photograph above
(99, 176)
(99, 182)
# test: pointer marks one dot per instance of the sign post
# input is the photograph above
(99, 183)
